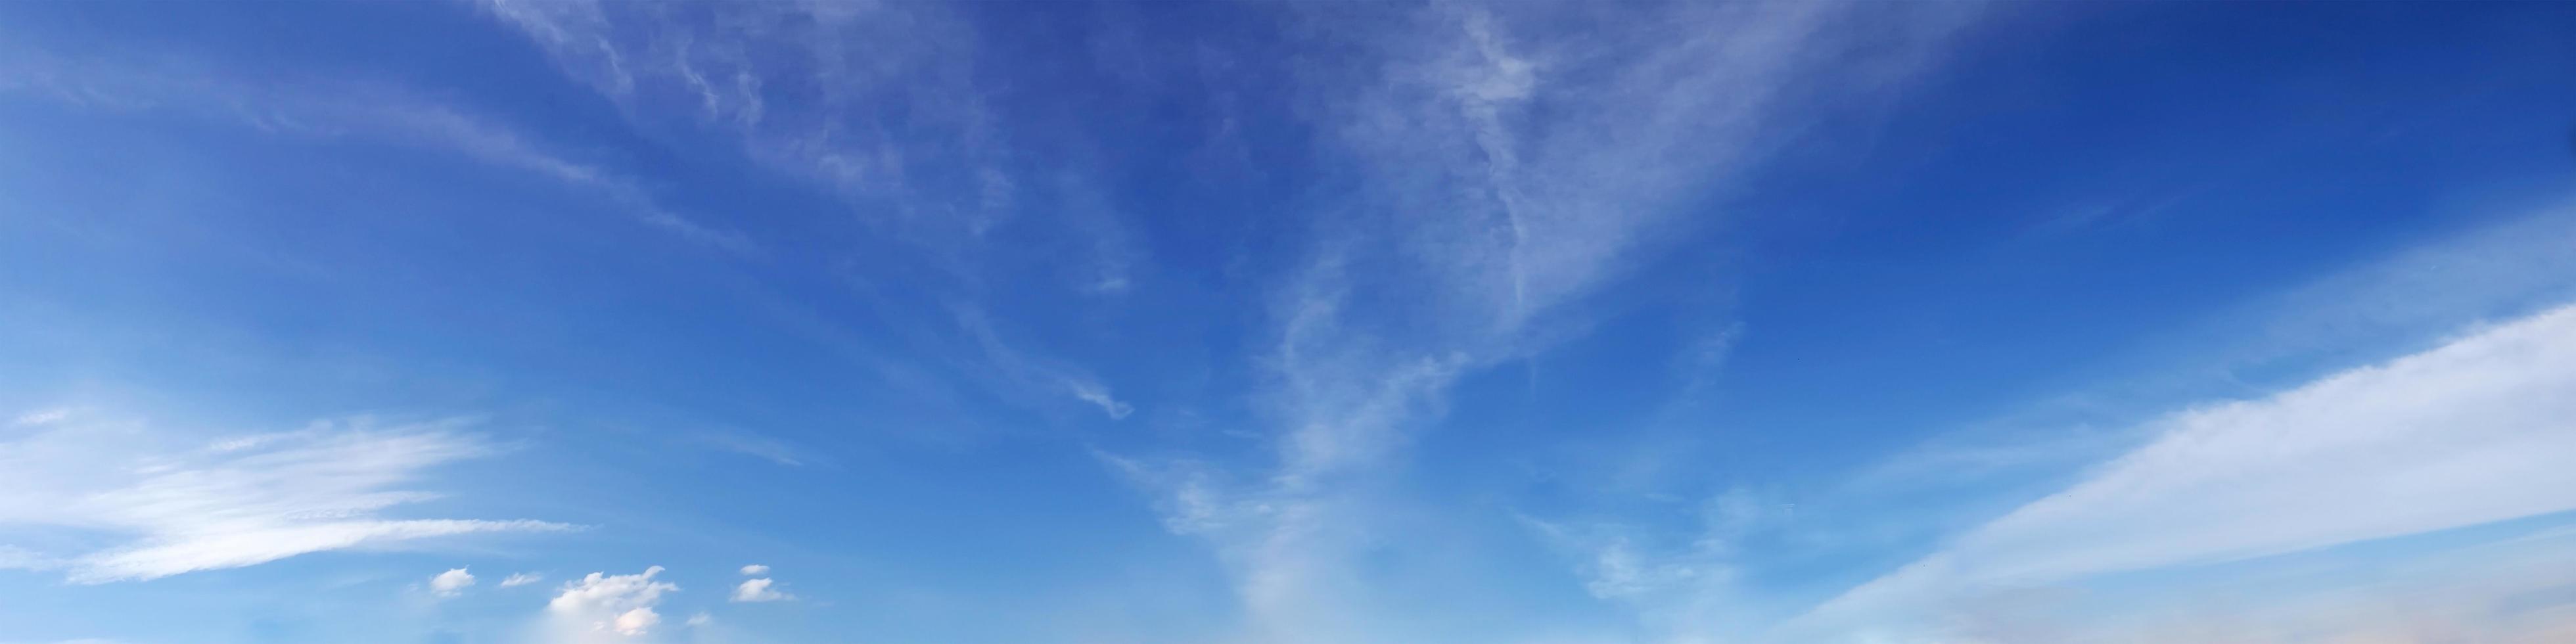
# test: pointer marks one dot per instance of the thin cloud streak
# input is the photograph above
(2461, 435)
(802, 88)
(327, 110)
(235, 503)
(1502, 178)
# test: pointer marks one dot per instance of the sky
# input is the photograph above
(514, 322)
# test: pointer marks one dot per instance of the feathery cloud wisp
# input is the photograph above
(234, 503)
(41, 417)
(2467, 433)
(1502, 173)
(354, 111)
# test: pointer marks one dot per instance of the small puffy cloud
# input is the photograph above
(521, 579)
(451, 583)
(755, 569)
(701, 619)
(608, 605)
(1098, 395)
(758, 590)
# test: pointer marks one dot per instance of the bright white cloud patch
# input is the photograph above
(2475, 431)
(635, 622)
(604, 607)
(757, 590)
(521, 579)
(451, 583)
(232, 503)
(755, 569)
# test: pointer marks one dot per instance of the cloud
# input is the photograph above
(604, 607)
(757, 590)
(14, 557)
(521, 579)
(452, 583)
(1098, 396)
(41, 417)
(1503, 169)
(1682, 586)
(884, 107)
(1019, 370)
(335, 110)
(235, 502)
(701, 618)
(774, 450)
(2467, 433)
(802, 89)
(755, 569)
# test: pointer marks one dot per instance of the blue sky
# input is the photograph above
(1280, 323)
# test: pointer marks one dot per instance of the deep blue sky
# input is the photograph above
(1064, 322)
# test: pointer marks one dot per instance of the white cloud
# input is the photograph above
(636, 622)
(358, 111)
(451, 583)
(755, 569)
(235, 502)
(521, 579)
(938, 173)
(41, 417)
(1098, 396)
(14, 557)
(1019, 370)
(701, 619)
(776, 451)
(2471, 432)
(1502, 173)
(758, 590)
(601, 605)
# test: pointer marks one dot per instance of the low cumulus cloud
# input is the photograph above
(451, 583)
(758, 590)
(602, 607)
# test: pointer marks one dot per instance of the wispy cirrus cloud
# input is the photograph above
(2460, 435)
(876, 101)
(42, 417)
(757, 446)
(171, 509)
(334, 109)
(1503, 171)
(883, 107)
(1018, 370)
